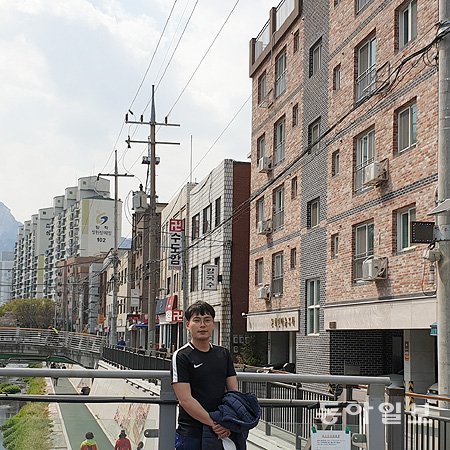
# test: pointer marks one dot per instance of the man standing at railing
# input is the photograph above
(201, 374)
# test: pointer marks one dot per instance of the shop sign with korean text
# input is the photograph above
(210, 277)
(175, 244)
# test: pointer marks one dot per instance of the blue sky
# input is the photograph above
(70, 69)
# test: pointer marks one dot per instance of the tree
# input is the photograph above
(30, 312)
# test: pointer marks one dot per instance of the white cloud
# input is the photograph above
(72, 69)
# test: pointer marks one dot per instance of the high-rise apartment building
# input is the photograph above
(6, 271)
(78, 225)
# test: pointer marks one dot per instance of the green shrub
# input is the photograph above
(30, 427)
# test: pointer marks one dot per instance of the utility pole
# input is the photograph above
(443, 219)
(116, 175)
(153, 221)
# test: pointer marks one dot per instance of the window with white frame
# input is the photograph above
(363, 247)
(293, 258)
(337, 78)
(295, 115)
(407, 127)
(279, 141)
(365, 153)
(296, 41)
(366, 69)
(207, 218)
(360, 4)
(315, 58)
(260, 147)
(335, 163)
(294, 187)
(278, 208)
(262, 88)
(280, 73)
(194, 279)
(404, 218)
(218, 215)
(259, 210)
(313, 306)
(334, 245)
(195, 226)
(314, 135)
(407, 23)
(259, 271)
(277, 273)
(313, 211)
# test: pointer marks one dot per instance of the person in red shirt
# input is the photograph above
(123, 443)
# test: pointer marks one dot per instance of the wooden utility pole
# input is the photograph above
(153, 220)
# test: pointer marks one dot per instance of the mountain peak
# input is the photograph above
(8, 229)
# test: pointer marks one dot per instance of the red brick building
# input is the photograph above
(350, 100)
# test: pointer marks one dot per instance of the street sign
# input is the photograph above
(175, 244)
(330, 440)
(210, 277)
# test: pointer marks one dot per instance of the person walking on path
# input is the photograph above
(89, 443)
(123, 443)
(201, 374)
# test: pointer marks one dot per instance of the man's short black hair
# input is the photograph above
(199, 308)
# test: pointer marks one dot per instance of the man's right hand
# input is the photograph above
(221, 431)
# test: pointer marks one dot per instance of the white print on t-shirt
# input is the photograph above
(196, 366)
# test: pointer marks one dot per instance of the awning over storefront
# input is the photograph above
(171, 302)
(137, 326)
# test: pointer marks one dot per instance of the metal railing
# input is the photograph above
(131, 359)
(167, 402)
(426, 431)
(262, 40)
(366, 83)
(294, 420)
(283, 10)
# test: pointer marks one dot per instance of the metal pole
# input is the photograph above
(375, 426)
(153, 227)
(116, 175)
(113, 325)
(167, 416)
(443, 219)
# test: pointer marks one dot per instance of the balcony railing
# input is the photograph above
(366, 83)
(284, 9)
(277, 285)
(262, 40)
(278, 220)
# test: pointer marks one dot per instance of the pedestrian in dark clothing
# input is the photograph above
(121, 343)
(201, 374)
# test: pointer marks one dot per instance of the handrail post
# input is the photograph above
(268, 426)
(167, 416)
(375, 425)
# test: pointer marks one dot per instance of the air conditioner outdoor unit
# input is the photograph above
(375, 173)
(262, 293)
(264, 164)
(264, 227)
(374, 269)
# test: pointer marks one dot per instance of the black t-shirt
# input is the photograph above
(206, 372)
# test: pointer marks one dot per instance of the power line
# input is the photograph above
(202, 58)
